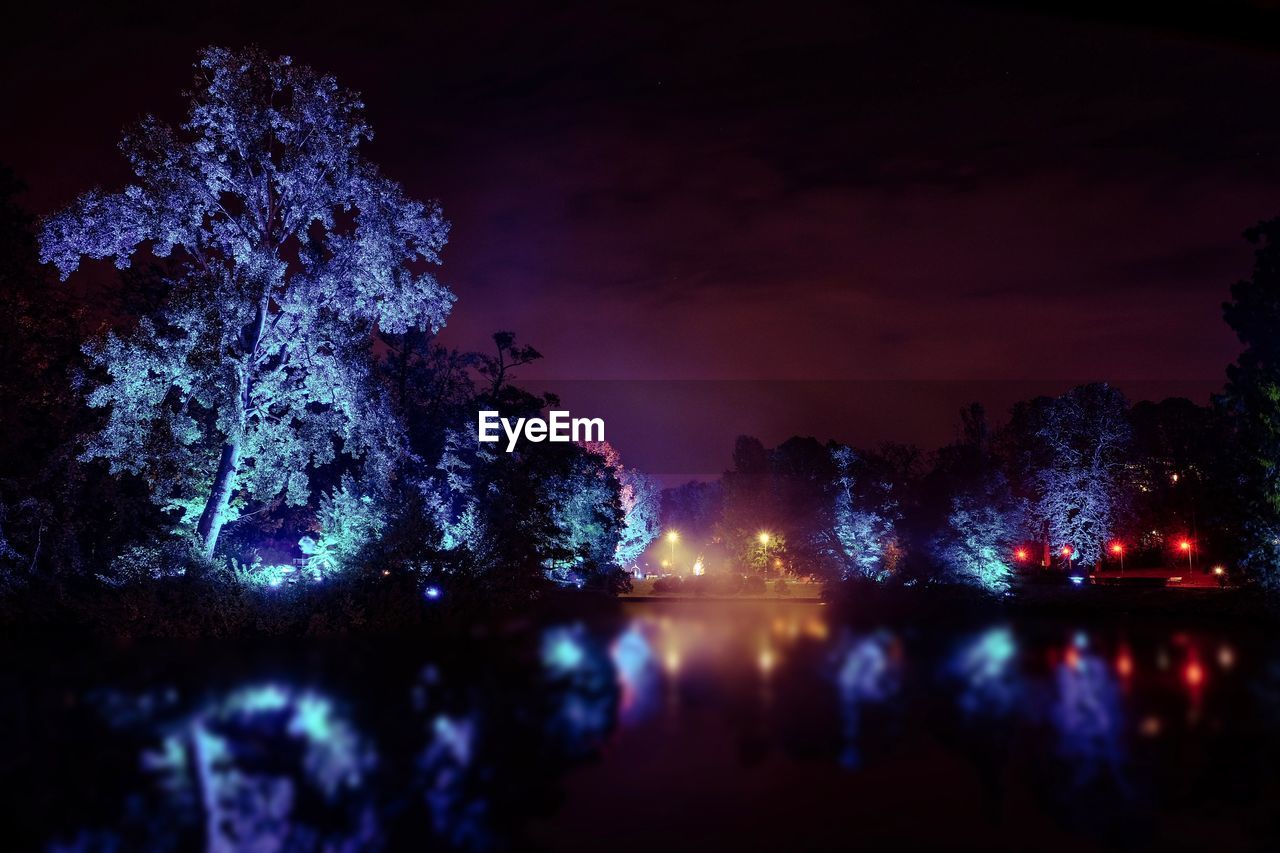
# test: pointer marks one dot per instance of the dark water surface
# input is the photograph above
(668, 725)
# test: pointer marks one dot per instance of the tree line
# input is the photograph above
(260, 400)
(265, 403)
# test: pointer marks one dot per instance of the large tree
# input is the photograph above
(1077, 447)
(1253, 397)
(288, 248)
(641, 502)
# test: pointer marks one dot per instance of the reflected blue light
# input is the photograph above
(868, 674)
(1088, 717)
(248, 757)
(637, 672)
(454, 735)
(562, 650)
(432, 592)
(986, 666)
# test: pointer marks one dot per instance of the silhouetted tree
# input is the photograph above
(1253, 398)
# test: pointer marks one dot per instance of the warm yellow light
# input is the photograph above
(673, 536)
(698, 568)
(766, 660)
(763, 537)
(1219, 570)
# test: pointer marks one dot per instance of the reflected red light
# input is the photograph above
(1072, 657)
(1194, 674)
(1124, 665)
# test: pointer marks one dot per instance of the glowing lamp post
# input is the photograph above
(1118, 549)
(672, 538)
(1185, 545)
(764, 538)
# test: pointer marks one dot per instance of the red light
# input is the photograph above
(1021, 555)
(1117, 548)
(1124, 665)
(1066, 550)
(1185, 545)
(1194, 674)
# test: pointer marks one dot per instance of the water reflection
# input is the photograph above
(1100, 732)
(868, 673)
(986, 667)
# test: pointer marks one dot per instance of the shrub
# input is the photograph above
(754, 585)
(670, 583)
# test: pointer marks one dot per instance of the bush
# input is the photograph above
(780, 587)
(728, 584)
(670, 583)
(754, 585)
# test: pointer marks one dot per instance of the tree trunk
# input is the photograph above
(215, 509)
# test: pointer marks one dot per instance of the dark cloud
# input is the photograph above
(763, 191)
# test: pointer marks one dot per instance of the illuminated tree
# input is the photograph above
(288, 248)
(1069, 454)
(584, 497)
(641, 502)
(1081, 489)
(983, 520)
(864, 515)
(976, 546)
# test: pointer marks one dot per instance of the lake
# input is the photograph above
(661, 724)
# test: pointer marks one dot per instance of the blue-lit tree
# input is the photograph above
(864, 516)
(977, 542)
(1081, 489)
(641, 503)
(982, 520)
(1068, 454)
(288, 248)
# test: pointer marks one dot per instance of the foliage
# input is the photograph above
(640, 500)
(1252, 398)
(348, 521)
(864, 519)
(978, 542)
(288, 248)
(1069, 454)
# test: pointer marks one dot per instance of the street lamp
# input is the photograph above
(764, 538)
(1118, 549)
(1185, 545)
(672, 538)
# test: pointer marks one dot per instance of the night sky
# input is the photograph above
(891, 191)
